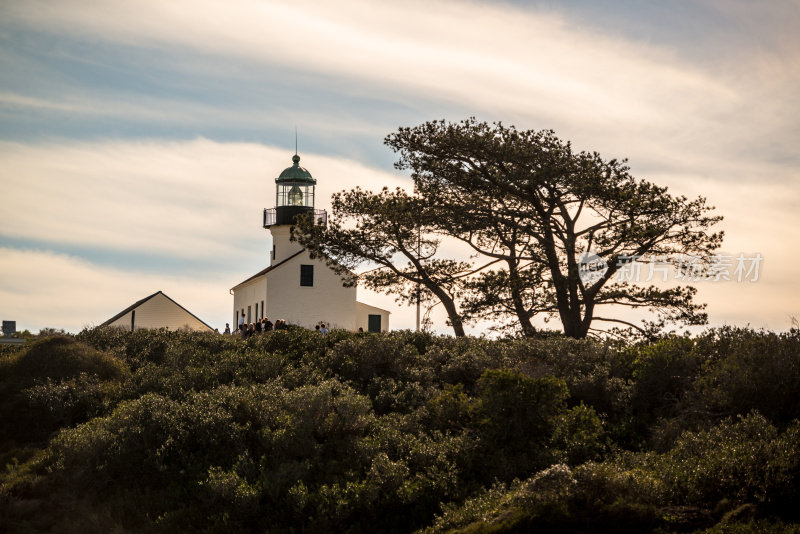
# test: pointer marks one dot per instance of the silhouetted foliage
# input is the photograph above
(293, 431)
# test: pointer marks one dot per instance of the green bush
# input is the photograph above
(663, 373)
(360, 360)
(295, 431)
(555, 499)
(513, 406)
(579, 435)
(750, 370)
(51, 383)
(597, 375)
(74, 400)
(56, 358)
(515, 418)
(451, 409)
(743, 460)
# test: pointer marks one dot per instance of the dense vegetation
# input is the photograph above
(297, 432)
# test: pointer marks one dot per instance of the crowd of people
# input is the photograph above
(246, 330)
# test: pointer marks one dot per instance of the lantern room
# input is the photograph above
(295, 186)
(294, 195)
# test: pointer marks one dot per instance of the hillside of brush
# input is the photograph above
(293, 431)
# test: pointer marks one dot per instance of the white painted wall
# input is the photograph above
(249, 294)
(363, 311)
(283, 247)
(327, 301)
(160, 312)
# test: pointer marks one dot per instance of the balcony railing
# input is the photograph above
(286, 215)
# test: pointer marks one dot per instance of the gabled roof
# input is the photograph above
(140, 302)
(372, 307)
(268, 269)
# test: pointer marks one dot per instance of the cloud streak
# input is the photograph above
(533, 67)
(197, 199)
(87, 294)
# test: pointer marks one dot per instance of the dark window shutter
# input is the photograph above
(307, 275)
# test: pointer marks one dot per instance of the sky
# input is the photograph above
(139, 141)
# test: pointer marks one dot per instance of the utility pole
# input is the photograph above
(419, 292)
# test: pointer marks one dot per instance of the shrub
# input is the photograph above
(553, 500)
(57, 358)
(450, 410)
(662, 374)
(513, 406)
(74, 400)
(750, 370)
(515, 417)
(295, 431)
(742, 460)
(168, 441)
(361, 359)
(579, 435)
(230, 502)
(54, 382)
(597, 374)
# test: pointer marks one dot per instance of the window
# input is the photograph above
(373, 323)
(249, 316)
(262, 309)
(307, 275)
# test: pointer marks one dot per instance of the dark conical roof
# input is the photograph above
(295, 173)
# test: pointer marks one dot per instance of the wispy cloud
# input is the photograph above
(475, 54)
(197, 199)
(534, 67)
(88, 294)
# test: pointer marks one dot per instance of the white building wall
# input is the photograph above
(327, 301)
(282, 246)
(160, 312)
(251, 294)
(363, 311)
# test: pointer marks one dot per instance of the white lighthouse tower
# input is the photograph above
(294, 287)
(294, 195)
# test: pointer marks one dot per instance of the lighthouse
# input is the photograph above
(294, 195)
(294, 287)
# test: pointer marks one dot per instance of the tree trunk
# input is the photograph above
(516, 298)
(450, 307)
(572, 328)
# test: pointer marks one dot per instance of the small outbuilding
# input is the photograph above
(157, 311)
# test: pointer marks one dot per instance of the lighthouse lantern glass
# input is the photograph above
(295, 194)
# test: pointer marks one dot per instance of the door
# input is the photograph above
(374, 323)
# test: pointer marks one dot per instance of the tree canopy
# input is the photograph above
(393, 231)
(549, 227)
